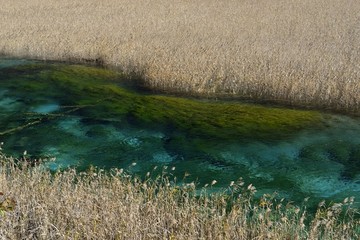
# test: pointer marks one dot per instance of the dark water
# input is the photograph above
(43, 119)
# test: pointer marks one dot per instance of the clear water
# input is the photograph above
(317, 163)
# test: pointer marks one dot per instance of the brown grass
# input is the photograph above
(35, 204)
(298, 52)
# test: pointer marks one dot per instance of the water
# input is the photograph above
(76, 118)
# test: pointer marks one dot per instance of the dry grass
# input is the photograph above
(35, 204)
(297, 52)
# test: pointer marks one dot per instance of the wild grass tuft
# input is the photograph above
(38, 204)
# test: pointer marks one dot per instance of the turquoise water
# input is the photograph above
(45, 120)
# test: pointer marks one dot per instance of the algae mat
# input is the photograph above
(81, 116)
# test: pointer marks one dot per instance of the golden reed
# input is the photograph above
(298, 52)
(37, 204)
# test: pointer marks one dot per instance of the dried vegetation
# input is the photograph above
(298, 52)
(38, 204)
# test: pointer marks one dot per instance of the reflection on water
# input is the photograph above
(322, 163)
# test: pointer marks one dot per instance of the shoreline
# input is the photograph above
(137, 83)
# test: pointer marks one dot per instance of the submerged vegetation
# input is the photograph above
(196, 118)
(38, 204)
(300, 53)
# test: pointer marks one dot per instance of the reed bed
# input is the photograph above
(38, 204)
(298, 52)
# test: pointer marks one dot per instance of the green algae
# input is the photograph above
(347, 154)
(343, 152)
(99, 89)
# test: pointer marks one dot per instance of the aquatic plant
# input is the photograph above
(105, 101)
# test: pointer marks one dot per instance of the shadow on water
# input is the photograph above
(84, 116)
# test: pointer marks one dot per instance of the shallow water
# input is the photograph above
(43, 118)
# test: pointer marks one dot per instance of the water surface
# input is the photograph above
(81, 116)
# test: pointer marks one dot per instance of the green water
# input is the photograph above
(81, 116)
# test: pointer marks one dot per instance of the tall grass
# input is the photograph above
(297, 52)
(37, 204)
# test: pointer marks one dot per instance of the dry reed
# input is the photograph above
(37, 204)
(297, 52)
